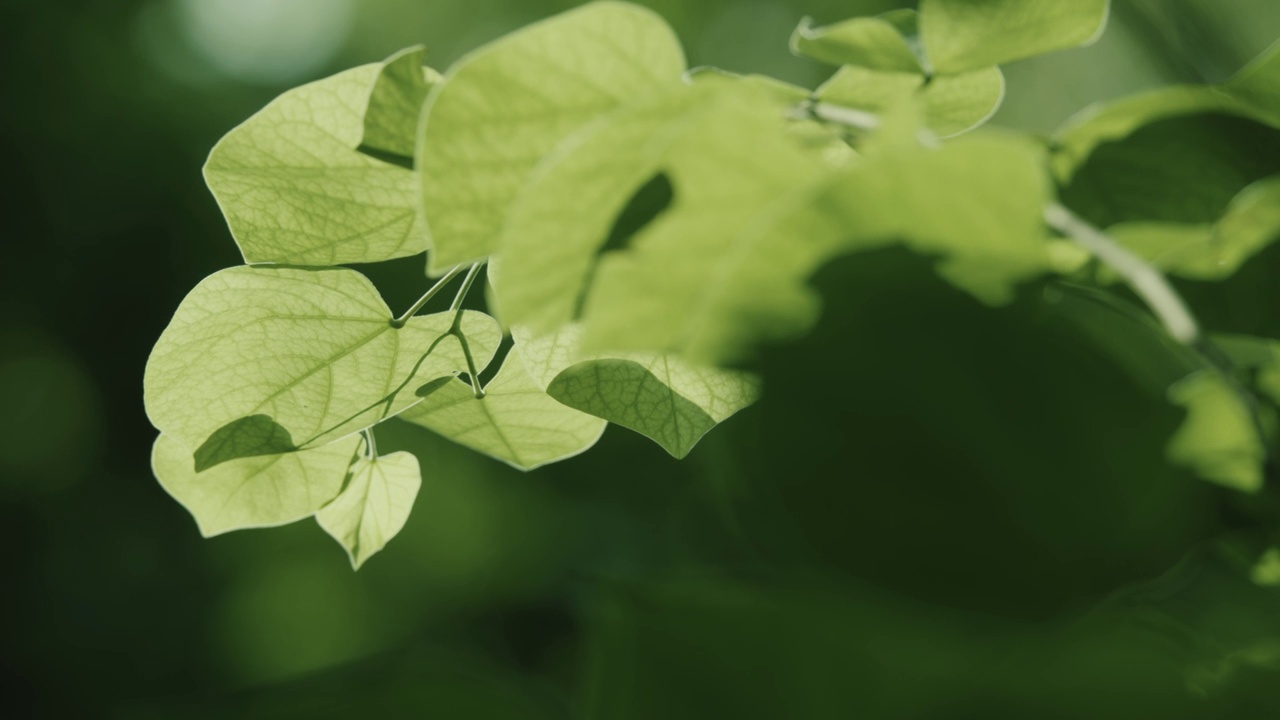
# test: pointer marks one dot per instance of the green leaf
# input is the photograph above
(964, 35)
(501, 109)
(399, 94)
(952, 104)
(659, 396)
(1210, 252)
(1259, 355)
(374, 505)
(710, 279)
(876, 43)
(262, 491)
(1218, 441)
(515, 422)
(1258, 84)
(295, 190)
(313, 350)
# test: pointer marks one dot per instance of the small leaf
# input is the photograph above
(262, 491)
(504, 107)
(964, 35)
(875, 43)
(374, 506)
(659, 396)
(1218, 440)
(295, 190)
(515, 422)
(312, 350)
(399, 94)
(1260, 355)
(952, 104)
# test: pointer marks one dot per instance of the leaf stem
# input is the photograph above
(435, 289)
(472, 373)
(860, 119)
(467, 282)
(371, 445)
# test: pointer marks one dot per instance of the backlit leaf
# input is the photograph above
(952, 104)
(395, 104)
(964, 35)
(875, 43)
(373, 506)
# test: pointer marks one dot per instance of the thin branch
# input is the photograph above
(472, 372)
(371, 445)
(838, 114)
(435, 289)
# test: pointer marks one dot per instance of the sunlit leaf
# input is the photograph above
(515, 422)
(395, 104)
(294, 188)
(262, 491)
(952, 104)
(501, 109)
(1219, 440)
(877, 43)
(964, 35)
(313, 350)
(373, 506)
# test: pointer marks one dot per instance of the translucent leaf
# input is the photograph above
(374, 505)
(964, 35)
(399, 93)
(503, 108)
(515, 422)
(1218, 441)
(711, 278)
(312, 350)
(1210, 252)
(659, 396)
(952, 104)
(295, 190)
(262, 491)
(876, 43)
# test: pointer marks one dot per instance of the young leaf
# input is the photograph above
(875, 43)
(962, 35)
(515, 422)
(295, 190)
(1210, 252)
(251, 492)
(659, 396)
(314, 350)
(952, 104)
(1218, 441)
(501, 109)
(399, 94)
(374, 506)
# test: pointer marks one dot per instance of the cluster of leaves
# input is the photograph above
(647, 227)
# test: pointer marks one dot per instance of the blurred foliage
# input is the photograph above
(977, 520)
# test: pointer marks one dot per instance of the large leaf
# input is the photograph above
(395, 104)
(374, 505)
(1258, 84)
(952, 104)
(876, 43)
(1210, 252)
(295, 190)
(515, 422)
(1219, 440)
(964, 35)
(711, 289)
(659, 396)
(508, 104)
(262, 491)
(313, 350)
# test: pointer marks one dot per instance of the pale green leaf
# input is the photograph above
(395, 104)
(870, 42)
(657, 395)
(951, 104)
(262, 491)
(313, 350)
(501, 109)
(964, 35)
(1218, 441)
(711, 289)
(295, 189)
(1210, 252)
(374, 505)
(515, 422)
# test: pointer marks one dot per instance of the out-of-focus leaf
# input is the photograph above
(964, 35)
(399, 93)
(503, 108)
(1218, 441)
(261, 491)
(1260, 355)
(876, 43)
(515, 422)
(373, 506)
(952, 104)
(295, 189)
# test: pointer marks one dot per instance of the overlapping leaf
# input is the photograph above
(374, 505)
(262, 491)
(657, 395)
(395, 104)
(312, 350)
(875, 43)
(1219, 440)
(515, 422)
(501, 109)
(1261, 356)
(951, 104)
(962, 35)
(295, 190)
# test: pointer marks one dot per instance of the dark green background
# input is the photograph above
(938, 511)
